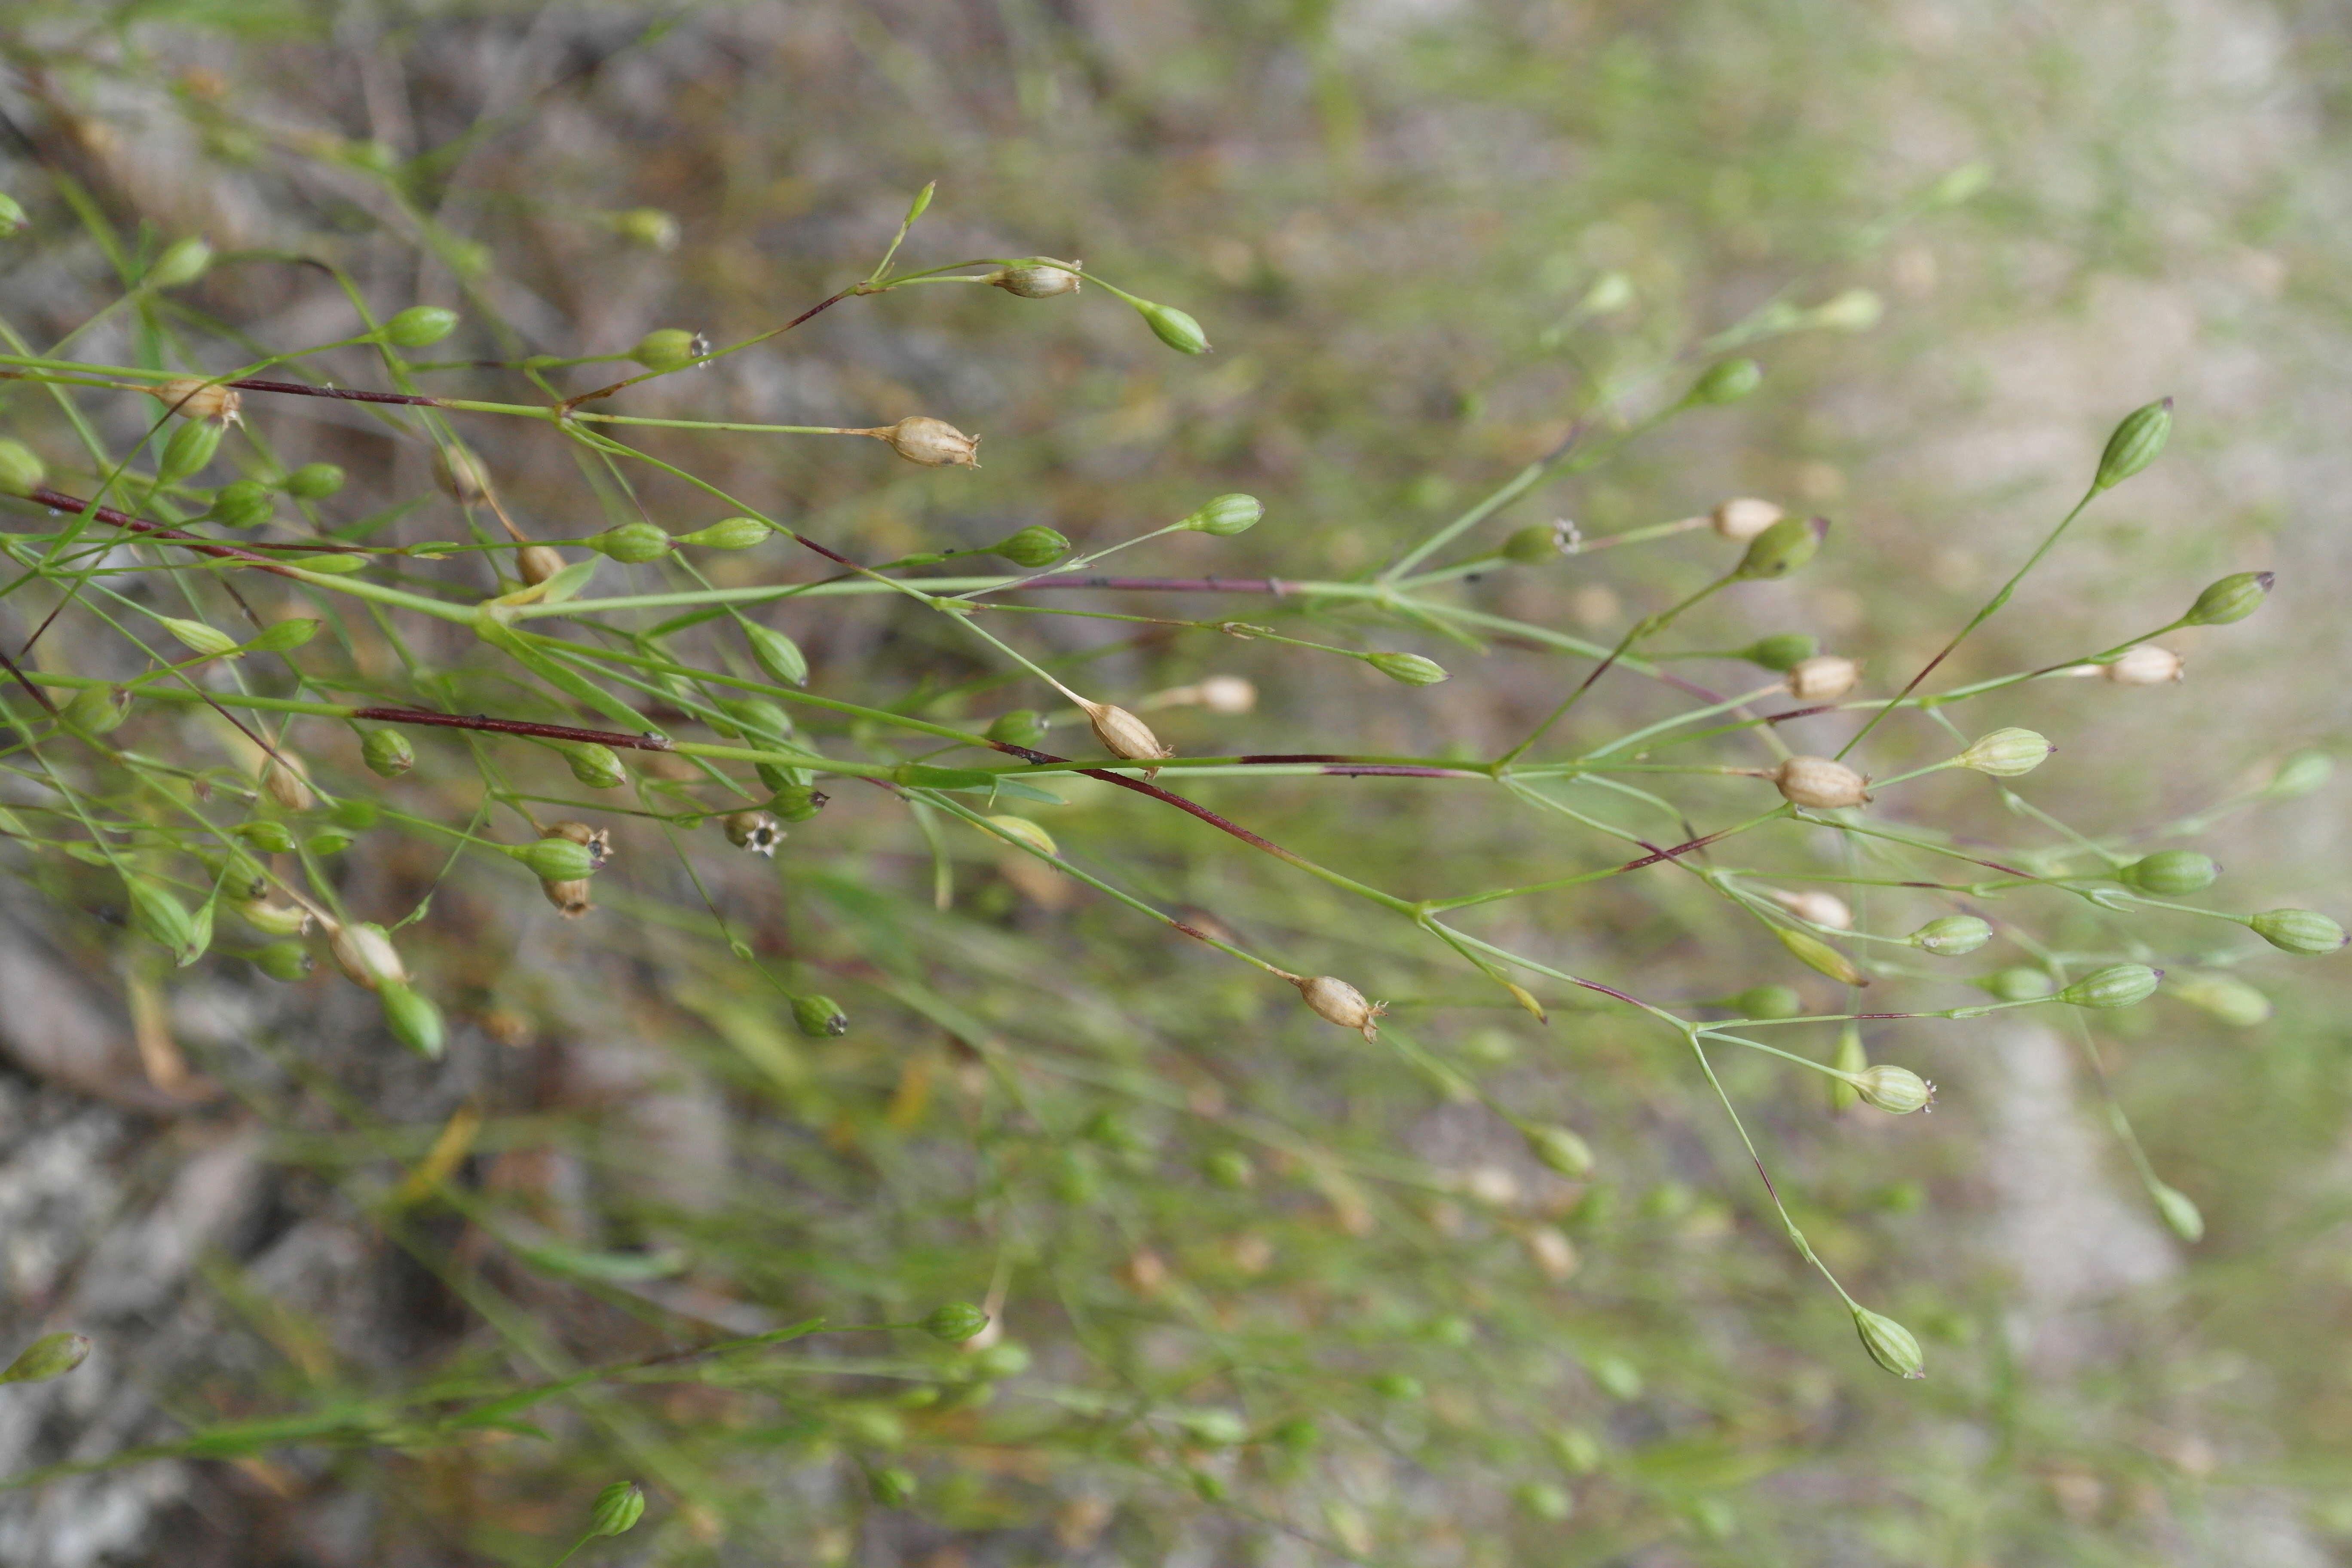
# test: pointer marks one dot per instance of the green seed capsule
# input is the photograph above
(618, 1508)
(671, 348)
(1559, 1150)
(728, 533)
(1898, 1090)
(2233, 598)
(598, 767)
(632, 543)
(1727, 382)
(1229, 1168)
(190, 447)
(287, 961)
(1781, 548)
(955, 1322)
(182, 262)
(2226, 997)
(328, 842)
(2298, 932)
(245, 503)
(892, 1486)
(1410, 668)
(412, 1019)
(420, 326)
(12, 215)
(2019, 984)
(274, 920)
(2181, 1214)
(797, 802)
(1952, 935)
(556, 859)
(2135, 445)
(314, 481)
(778, 657)
(819, 1017)
(2006, 753)
(1533, 546)
(98, 709)
(1021, 727)
(284, 636)
(269, 837)
(1815, 953)
(21, 472)
(209, 641)
(157, 915)
(648, 226)
(1769, 1001)
(1173, 327)
(1890, 1345)
(1032, 547)
(2300, 775)
(51, 1355)
(1781, 652)
(387, 754)
(2172, 873)
(758, 719)
(2116, 985)
(1227, 515)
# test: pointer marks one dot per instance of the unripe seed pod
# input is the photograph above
(1559, 1150)
(728, 533)
(1950, 936)
(1781, 651)
(328, 843)
(955, 1322)
(1855, 310)
(1173, 327)
(1410, 668)
(1033, 546)
(1341, 1003)
(1815, 953)
(650, 227)
(780, 779)
(1898, 1090)
(572, 900)
(2019, 984)
(209, 641)
(1228, 694)
(1781, 548)
(778, 657)
(387, 754)
(276, 919)
(819, 1017)
(934, 442)
(2146, 664)
(461, 475)
(2116, 985)
(12, 215)
(2172, 873)
(797, 802)
(21, 472)
(1037, 283)
(287, 780)
(2180, 1213)
(618, 1507)
(1227, 515)
(2298, 932)
(193, 397)
(535, 563)
(753, 830)
(1230, 1168)
(632, 543)
(1823, 677)
(669, 348)
(412, 1019)
(1021, 727)
(1890, 1345)
(2300, 775)
(269, 837)
(363, 952)
(1850, 1057)
(1727, 381)
(190, 449)
(182, 262)
(597, 766)
(1742, 518)
(1818, 908)
(243, 503)
(757, 717)
(1769, 1001)
(2135, 443)
(556, 859)
(157, 915)
(51, 1355)
(2226, 997)
(2233, 598)
(1123, 735)
(284, 636)
(97, 710)
(2006, 753)
(1820, 784)
(314, 481)
(285, 961)
(892, 1486)
(420, 326)
(1021, 830)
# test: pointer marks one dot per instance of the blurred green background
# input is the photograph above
(1267, 1294)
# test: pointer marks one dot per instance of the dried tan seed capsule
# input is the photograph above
(1822, 676)
(1821, 784)
(2146, 664)
(1037, 283)
(1342, 1004)
(934, 442)
(598, 840)
(570, 898)
(1742, 518)
(277, 919)
(753, 830)
(1123, 735)
(535, 563)
(1820, 908)
(287, 781)
(192, 397)
(1228, 694)
(1551, 1252)
(462, 476)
